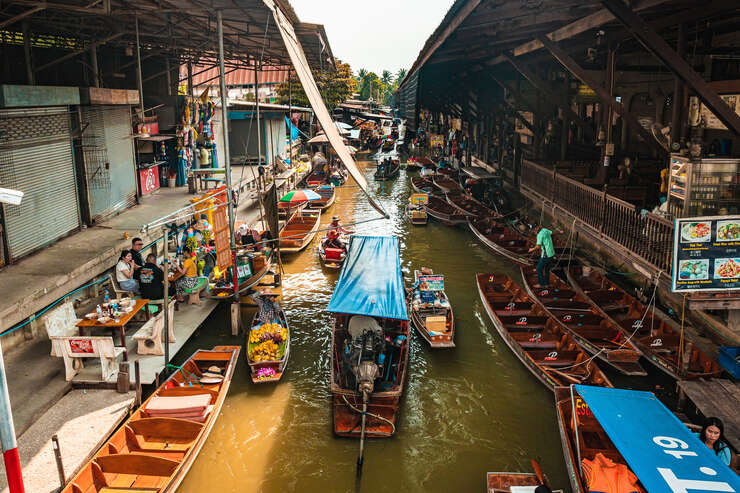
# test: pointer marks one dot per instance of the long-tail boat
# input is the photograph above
(299, 231)
(502, 239)
(623, 431)
(444, 212)
(370, 339)
(327, 193)
(501, 482)
(315, 179)
(331, 258)
(469, 205)
(550, 353)
(388, 170)
(433, 319)
(591, 330)
(267, 363)
(157, 445)
(657, 336)
(445, 183)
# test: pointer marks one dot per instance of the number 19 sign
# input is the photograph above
(678, 449)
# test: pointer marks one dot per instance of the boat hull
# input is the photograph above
(518, 258)
(279, 366)
(293, 240)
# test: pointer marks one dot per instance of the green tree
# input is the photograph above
(335, 86)
(400, 76)
(386, 78)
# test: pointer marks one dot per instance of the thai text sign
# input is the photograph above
(706, 254)
(419, 198)
(429, 286)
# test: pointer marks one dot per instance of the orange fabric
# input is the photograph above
(191, 270)
(602, 475)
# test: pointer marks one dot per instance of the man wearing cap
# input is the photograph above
(332, 236)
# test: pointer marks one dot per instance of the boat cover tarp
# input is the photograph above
(371, 281)
(300, 64)
(662, 452)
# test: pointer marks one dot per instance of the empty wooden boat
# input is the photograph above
(328, 194)
(370, 340)
(591, 330)
(155, 448)
(469, 205)
(268, 348)
(424, 185)
(445, 213)
(299, 231)
(502, 239)
(445, 183)
(315, 179)
(540, 343)
(656, 336)
(431, 310)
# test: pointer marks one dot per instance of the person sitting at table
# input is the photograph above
(189, 269)
(136, 246)
(125, 272)
(151, 279)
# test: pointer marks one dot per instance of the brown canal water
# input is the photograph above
(466, 411)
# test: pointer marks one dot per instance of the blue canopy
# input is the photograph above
(371, 282)
(660, 450)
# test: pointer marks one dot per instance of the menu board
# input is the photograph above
(429, 286)
(706, 254)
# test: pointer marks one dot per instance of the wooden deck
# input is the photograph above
(716, 397)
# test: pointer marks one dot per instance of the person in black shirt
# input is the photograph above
(151, 279)
(136, 245)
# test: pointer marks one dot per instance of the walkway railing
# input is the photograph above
(648, 236)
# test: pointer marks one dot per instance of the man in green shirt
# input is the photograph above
(547, 256)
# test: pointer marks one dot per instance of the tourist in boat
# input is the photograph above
(269, 309)
(713, 436)
(189, 269)
(547, 256)
(334, 225)
(125, 272)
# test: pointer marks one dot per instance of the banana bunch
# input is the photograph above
(271, 331)
(266, 351)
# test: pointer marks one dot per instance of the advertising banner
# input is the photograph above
(419, 199)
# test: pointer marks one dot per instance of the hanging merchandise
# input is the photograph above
(181, 166)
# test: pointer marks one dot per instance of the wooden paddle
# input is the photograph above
(538, 472)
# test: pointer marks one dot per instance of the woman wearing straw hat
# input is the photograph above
(269, 309)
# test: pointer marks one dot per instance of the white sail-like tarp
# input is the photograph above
(300, 64)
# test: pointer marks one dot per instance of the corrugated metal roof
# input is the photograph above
(238, 77)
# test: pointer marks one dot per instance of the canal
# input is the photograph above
(467, 411)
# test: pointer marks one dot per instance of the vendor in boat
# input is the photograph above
(335, 226)
(269, 309)
(547, 256)
(713, 436)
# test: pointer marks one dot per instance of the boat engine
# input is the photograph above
(366, 349)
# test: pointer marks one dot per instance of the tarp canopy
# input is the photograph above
(660, 450)
(371, 281)
(293, 46)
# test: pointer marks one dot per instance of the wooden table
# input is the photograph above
(120, 325)
(174, 276)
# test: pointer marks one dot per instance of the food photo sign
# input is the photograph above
(706, 254)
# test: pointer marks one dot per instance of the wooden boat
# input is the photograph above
(444, 212)
(276, 365)
(315, 179)
(331, 258)
(436, 324)
(328, 194)
(413, 165)
(449, 173)
(468, 204)
(592, 331)
(502, 239)
(501, 482)
(251, 271)
(540, 343)
(388, 171)
(445, 183)
(157, 445)
(658, 337)
(374, 332)
(424, 185)
(299, 231)
(417, 215)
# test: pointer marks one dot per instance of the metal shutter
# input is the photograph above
(36, 157)
(120, 144)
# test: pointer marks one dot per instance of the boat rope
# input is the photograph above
(393, 427)
(183, 372)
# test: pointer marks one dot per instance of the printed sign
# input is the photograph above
(81, 346)
(429, 286)
(419, 199)
(149, 179)
(244, 271)
(436, 140)
(706, 254)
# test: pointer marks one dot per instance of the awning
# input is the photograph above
(664, 455)
(366, 288)
(478, 173)
(293, 46)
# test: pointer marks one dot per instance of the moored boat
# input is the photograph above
(328, 195)
(413, 165)
(431, 310)
(502, 239)
(154, 449)
(502, 482)
(424, 185)
(315, 179)
(387, 170)
(446, 184)
(445, 213)
(268, 347)
(592, 331)
(468, 204)
(299, 231)
(331, 257)
(539, 342)
(370, 339)
(656, 336)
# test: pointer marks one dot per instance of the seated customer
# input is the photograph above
(125, 272)
(190, 278)
(151, 279)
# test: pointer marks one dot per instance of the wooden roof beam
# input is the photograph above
(658, 47)
(566, 61)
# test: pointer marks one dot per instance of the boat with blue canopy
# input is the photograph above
(607, 431)
(370, 340)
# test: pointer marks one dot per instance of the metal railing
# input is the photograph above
(647, 236)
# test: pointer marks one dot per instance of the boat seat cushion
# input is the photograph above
(333, 253)
(179, 404)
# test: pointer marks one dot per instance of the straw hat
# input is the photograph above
(335, 218)
(267, 292)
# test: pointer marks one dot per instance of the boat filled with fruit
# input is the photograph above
(268, 349)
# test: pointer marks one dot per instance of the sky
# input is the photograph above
(375, 35)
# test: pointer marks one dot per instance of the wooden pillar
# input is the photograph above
(30, 77)
(94, 65)
(678, 115)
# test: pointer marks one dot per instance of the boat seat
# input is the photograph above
(134, 471)
(165, 428)
(333, 253)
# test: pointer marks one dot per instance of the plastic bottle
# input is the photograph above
(99, 311)
(107, 297)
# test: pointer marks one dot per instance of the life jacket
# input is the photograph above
(602, 475)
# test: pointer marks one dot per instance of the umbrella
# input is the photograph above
(343, 125)
(300, 196)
